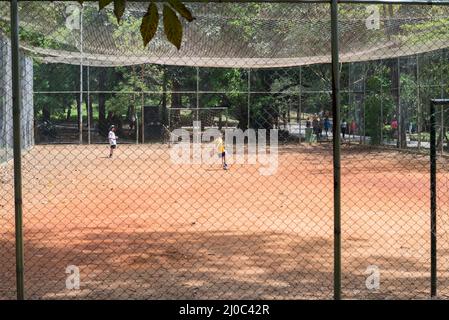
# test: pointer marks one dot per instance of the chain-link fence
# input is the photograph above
(217, 180)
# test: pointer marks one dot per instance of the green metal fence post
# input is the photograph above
(433, 202)
(336, 149)
(16, 102)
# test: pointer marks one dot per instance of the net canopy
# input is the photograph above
(235, 35)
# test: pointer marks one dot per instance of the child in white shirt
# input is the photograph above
(112, 140)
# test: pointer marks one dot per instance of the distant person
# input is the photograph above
(411, 127)
(353, 127)
(112, 140)
(308, 123)
(219, 143)
(132, 123)
(344, 128)
(316, 127)
(394, 126)
(327, 126)
(308, 131)
(319, 128)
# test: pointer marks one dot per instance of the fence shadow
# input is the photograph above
(201, 265)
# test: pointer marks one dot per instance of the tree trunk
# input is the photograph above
(395, 92)
(220, 121)
(102, 125)
(396, 81)
(78, 108)
(176, 96)
(89, 112)
(46, 113)
(69, 112)
(176, 102)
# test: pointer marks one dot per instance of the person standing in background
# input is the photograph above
(316, 127)
(344, 128)
(308, 131)
(327, 126)
(112, 141)
(394, 127)
(353, 128)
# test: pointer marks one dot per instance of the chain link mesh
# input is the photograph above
(143, 225)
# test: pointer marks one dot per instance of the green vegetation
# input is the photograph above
(379, 92)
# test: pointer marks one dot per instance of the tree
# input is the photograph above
(150, 21)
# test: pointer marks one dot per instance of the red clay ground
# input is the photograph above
(138, 226)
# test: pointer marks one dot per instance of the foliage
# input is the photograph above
(379, 106)
(280, 87)
(150, 21)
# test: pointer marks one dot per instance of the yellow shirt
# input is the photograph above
(220, 145)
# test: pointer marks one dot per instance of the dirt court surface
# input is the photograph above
(139, 226)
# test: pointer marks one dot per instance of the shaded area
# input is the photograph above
(205, 265)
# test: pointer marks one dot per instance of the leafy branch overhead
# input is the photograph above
(150, 21)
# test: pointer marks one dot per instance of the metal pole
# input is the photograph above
(336, 148)
(364, 104)
(227, 118)
(433, 203)
(197, 93)
(80, 116)
(137, 118)
(137, 127)
(142, 117)
(419, 119)
(442, 116)
(17, 147)
(142, 111)
(442, 129)
(249, 96)
(399, 116)
(381, 114)
(88, 105)
(350, 96)
(169, 116)
(300, 105)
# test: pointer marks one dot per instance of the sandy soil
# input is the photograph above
(139, 226)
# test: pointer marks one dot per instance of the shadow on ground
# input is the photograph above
(200, 265)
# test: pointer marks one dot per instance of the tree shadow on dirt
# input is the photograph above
(203, 265)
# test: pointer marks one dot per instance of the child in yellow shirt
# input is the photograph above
(221, 152)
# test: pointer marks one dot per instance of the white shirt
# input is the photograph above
(112, 138)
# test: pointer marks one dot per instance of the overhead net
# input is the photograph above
(243, 35)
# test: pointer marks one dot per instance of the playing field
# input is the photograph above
(139, 226)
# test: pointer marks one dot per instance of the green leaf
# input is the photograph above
(103, 3)
(172, 26)
(149, 24)
(182, 9)
(119, 9)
